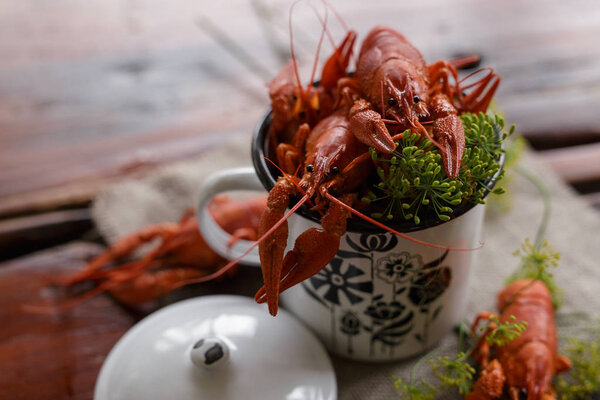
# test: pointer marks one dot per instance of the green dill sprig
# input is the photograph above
(413, 182)
(454, 373)
(583, 379)
(535, 264)
(502, 333)
(419, 390)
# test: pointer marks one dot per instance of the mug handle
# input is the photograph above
(243, 178)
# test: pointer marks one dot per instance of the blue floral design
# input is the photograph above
(342, 283)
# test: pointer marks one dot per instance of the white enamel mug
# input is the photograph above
(382, 297)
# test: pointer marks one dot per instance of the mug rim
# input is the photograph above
(266, 171)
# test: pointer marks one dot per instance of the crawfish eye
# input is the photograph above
(310, 168)
(294, 97)
(523, 393)
(416, 99)
(392, 101)
(302, 114)
(334, 170)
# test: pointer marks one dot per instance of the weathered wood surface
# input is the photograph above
(23, 235)
(58, 355)
(93, 91)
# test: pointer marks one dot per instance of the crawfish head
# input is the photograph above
(330, 149)
(403, 91)
(290, 101)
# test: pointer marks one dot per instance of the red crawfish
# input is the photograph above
(527, 364)
(394, 85)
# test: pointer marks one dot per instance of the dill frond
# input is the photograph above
(505, 332)
(413, 182)
(535, 264)
(454, 373)
(583, 380)
(419, 390)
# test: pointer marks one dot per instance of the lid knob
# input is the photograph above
(210, 353)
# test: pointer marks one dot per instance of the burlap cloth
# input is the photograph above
(573, 230)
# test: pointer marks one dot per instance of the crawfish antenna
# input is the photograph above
(387, 228)
(337, 15)
(292, 52)
(324, 24)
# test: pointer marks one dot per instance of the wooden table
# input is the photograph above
(92, 93)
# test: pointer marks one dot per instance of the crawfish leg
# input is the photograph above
(122, 248)
(562, 364)
(490, 383)
(149, 286)
(290, 156)
(439, 74)
(482, 348)
(479, 99)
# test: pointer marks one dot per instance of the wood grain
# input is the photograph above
(58, 355)
(54, 356)
(89, 93)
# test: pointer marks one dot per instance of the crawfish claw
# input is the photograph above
(312, 251)
(450, 135)
(369, 128)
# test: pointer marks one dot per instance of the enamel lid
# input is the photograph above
(217, 347)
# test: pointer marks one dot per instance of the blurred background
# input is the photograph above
(94, 91)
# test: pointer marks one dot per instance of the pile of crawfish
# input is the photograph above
(320, 135)
(179, 254)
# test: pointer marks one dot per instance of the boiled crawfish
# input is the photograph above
(527, 364)
(331, 151)
(182, 253)
(293, 105)
(393, 80)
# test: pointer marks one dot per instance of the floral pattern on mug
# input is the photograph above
(380, 242)
(385, 311)
(388, 298)
(399, 268)
(338, 282)
(350, 324)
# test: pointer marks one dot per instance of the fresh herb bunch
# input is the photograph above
(419, 390)
(583, 380)
(413, 181)
(456, 373)
(535, 264)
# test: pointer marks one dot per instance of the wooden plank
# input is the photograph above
(77, 107)
(23, 235)
(52, 356)
(575, 164)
